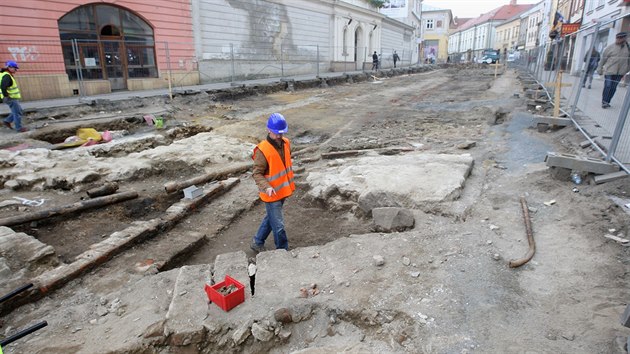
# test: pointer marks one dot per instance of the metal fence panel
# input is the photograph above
(582, 96)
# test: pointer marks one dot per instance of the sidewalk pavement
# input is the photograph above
(600, 123)
(124, 95)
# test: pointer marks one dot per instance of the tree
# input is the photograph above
(376, 3)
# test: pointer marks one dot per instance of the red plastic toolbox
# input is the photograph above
(229, 301)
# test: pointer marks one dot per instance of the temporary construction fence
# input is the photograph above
(583, 92)
(85, 67)
(240, 62)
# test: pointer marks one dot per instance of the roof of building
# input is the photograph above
(460, 22)
(428, 8)
(499, 14)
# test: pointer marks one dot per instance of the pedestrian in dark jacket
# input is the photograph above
(374, 61)
(590, 67)
(396, 58)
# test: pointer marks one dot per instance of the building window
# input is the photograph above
(112, 42)
(430, 24)
(439, 24)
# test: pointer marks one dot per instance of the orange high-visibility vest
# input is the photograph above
(280, 175)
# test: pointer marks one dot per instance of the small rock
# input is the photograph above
(261, 332)
(551, 336)
(102, 311)
(241, 334)
(550, 203)
(415, 274)
(489, 242)
(76, 329)
(284, 334)
(569, 336)
(379, 260)
(93, 321)
(532, 209)
(496, 257)
(283, 315)
(406, 261)
(155, 330)
(303, 293)
(493, 227)
(466, 145)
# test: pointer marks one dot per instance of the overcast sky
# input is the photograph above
(472, 8)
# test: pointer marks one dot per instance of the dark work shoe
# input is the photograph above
(257, 248)
(7, 124)
(22, 130)
(605, 105)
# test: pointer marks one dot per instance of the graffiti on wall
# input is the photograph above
(24, 53)
(269, 26)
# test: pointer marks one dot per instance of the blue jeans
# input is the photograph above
(273, 221)
(16, 114)
(610, 87)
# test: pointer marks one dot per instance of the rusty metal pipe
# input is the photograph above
(530, 238)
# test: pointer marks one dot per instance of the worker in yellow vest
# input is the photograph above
(273, 174)
(10, 94)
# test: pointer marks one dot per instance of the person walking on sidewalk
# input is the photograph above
(614, 64)
(10, 94)
(273, 174)
(374, 61)
(396, 58)
(590, 67)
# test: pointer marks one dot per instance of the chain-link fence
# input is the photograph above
(598, 103)
(84, 67)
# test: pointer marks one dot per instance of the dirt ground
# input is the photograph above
(567, 299)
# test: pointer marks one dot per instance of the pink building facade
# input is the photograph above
(73, 47)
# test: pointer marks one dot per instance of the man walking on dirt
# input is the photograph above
(273, 174)
(614, 64)
(10, 94)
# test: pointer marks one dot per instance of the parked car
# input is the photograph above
(486, 60)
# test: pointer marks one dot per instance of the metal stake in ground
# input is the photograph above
(530, 237)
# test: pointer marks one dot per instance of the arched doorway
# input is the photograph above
(359, 45)
(112, 43)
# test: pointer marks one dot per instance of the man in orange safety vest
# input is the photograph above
(273, 174)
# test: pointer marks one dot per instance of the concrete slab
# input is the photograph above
(610, 177)
(187, 311)
(412, 180)
(585, 164)
(562, 122)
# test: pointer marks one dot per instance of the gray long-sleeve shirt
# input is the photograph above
(615, 60)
